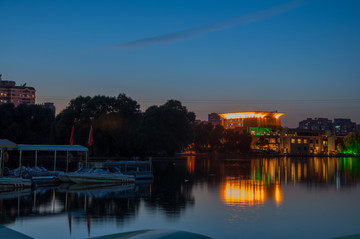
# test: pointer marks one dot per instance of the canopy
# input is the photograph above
(7, 144)
(33, 147)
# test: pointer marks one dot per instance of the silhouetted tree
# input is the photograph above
(235, 142)
(207, 137)
(167, 128)
(26, 124)
(115, 122)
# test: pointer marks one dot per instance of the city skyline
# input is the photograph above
(297, 57)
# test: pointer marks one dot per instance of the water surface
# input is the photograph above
(220, 198)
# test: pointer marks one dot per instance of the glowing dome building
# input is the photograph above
(243, 120)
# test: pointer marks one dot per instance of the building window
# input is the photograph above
(299, 141)
(305, 141)
(293, 141)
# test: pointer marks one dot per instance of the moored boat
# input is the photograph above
(14, 183)
(101, 176)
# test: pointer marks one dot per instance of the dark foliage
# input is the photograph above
(167, 128)
(26, 124)
(209, 138)
(115, 122)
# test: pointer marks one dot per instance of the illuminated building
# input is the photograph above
(301, 142)
(10, 93)
(244, 120)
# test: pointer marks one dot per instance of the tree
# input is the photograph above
(115, 122)
(207, 137)
(26, 124)
(167, 128)
(235, 142)
(350, 145)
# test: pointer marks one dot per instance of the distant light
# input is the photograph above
(255, 114)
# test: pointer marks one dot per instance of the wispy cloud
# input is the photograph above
(200, 31)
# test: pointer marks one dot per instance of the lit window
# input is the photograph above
(305, 141)
(299, 141)
(293, 141)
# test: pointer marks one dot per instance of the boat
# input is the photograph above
(14, 183)
(64, 177)
(140, 169)
(157, 233)
(98, 190)
(101, 176)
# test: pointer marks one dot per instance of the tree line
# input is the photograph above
(119, 127)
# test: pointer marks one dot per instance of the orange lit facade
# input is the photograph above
(10, 93)
(244, 120)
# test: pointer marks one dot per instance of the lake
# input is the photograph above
(219, 198)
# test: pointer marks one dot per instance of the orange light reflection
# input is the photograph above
(278, 196)
(236, 191)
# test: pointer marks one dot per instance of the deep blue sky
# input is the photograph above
(302, 58)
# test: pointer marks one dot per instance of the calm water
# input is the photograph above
(232, 198)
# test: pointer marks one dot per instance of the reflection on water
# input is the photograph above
(178, 188)
(237, 191)
(261, 179)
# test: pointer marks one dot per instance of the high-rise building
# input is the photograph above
(342, 127)
(10, 93)
(316, 124)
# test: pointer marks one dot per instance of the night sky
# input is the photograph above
(297, 57)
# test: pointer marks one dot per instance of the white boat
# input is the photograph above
(101, 176)
(64, 177)
(14, 183)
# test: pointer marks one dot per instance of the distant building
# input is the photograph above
(316, 124)
(50, 105)
(295, 142)
(10, 93)
(342, 127)
(307, 142)
(214, 119)
(245, 120)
